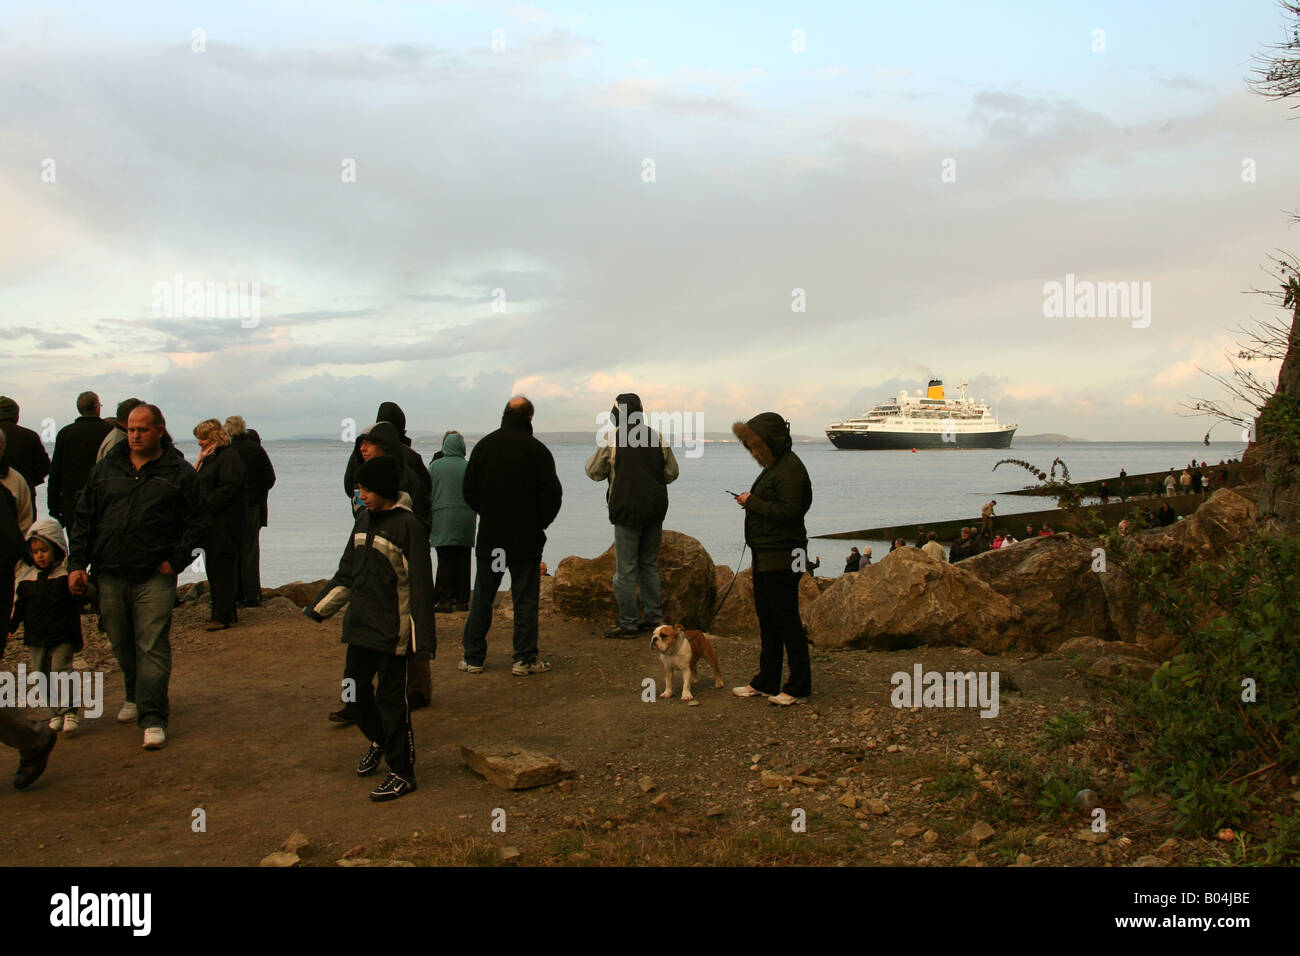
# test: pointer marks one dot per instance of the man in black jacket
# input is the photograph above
(632, 456)
(139, 523)
(24, 449)
(415, 480)
(75, 450)
(963, 547)
(511, 482)
(259, 478)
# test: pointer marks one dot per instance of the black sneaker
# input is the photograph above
(29, 768)
(370, 761)
(619, 632)
(392, 788)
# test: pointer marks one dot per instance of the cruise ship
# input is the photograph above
(924, 421)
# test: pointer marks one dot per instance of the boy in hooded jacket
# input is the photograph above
(386, 578)
(49, 613)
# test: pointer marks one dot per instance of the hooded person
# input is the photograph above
(49, 614)
(384, 438)
(25, 450)
(451, 528)
(511, 483)
(632, 457)
(775, 506)
(415, 482)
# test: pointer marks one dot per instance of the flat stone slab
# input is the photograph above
(513, 768)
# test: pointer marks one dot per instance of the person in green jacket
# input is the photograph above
(451, 529)
(774, 530)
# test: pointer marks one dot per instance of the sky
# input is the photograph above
(727, 208)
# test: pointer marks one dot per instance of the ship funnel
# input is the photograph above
(935, 389)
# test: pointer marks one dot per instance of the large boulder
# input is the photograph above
(1218, 525)
(298, 592)
(909, 598)
(1052, 583)
(584, 587)
(737, 617)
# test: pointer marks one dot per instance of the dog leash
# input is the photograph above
(725, 593)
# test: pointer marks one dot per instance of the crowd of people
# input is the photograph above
(129, 513)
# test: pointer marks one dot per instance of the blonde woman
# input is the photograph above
(222, 490)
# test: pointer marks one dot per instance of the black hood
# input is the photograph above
(392, 413)
(385, 435)
(630, 401)
(516, 418)
(771, 430)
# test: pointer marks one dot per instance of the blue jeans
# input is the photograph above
(525, 586)
(138, 617)
(637, 551)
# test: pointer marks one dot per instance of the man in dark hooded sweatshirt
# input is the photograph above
(639, 468)
(511, 482)
(384, 438)
(774, 530)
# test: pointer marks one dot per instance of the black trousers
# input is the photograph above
(452, 582)
(781, 633)
(381, 711)
(223, 582)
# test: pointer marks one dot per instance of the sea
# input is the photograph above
(310, 518)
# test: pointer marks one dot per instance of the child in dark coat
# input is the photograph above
(386, 578)
(49, 613)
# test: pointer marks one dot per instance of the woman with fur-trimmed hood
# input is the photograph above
(774, 530)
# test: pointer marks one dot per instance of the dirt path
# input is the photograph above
(249, 744)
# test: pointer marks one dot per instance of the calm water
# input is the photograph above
(310, 518)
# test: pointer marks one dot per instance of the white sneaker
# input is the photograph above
(56, 723)
(155, 738)
(539, 666)
(71, 724)
(128, 714)
(469, 668)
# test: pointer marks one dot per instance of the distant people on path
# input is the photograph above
(896, 544)
(512, 485)
(866, 559)
(1171, 484)
(1030, 533)
(1166, 515)
(20, 494)
(384, 439)
(632, 458)
(118, 431)
(76, 448)
(137, 526)
(1185, 481)
(1103, 492)
(933, 548)
(259, 479)
(1046, 531)
(386, 578)
(986, 513)
(451, 531)
(1198, 478)
(1146, 487)
(24, 449)
(999, 539)
(775, 506)
(963, 547)
(224, 489)
(813, 565)
(921, 536)
(853, 562)
(50, 616)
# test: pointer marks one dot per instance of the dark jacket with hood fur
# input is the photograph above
(780, 496)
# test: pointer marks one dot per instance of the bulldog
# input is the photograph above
(681, 651)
